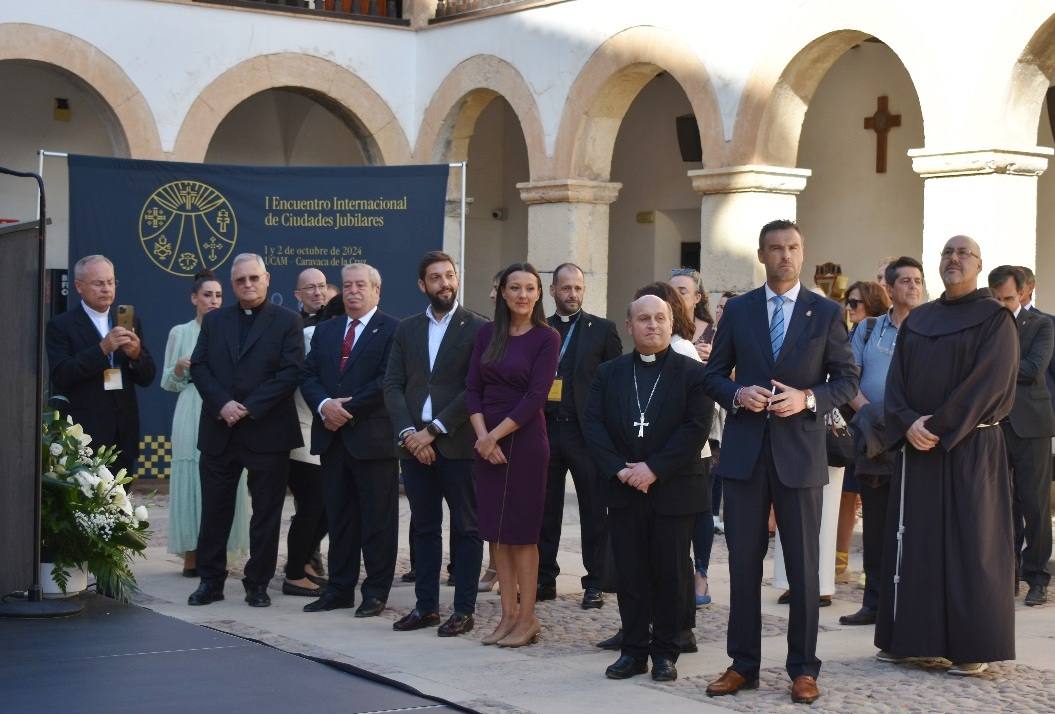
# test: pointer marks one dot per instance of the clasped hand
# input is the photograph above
(334, 415)
(419, 443)
(637, 475)
(489, 450)
(232, 412)
(784, 402)
(918, 435)
(120, 338)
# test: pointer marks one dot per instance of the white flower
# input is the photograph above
(77, 432)
(55, 449)
(105, 476)
(87, 482)
(121, 500)
(141, 513)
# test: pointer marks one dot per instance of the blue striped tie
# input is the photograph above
(776, 324)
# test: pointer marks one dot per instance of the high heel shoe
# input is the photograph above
(528, 638)
(500, 633)
(488, 581)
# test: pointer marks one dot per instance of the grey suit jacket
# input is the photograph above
(409, 380)
(1032, 416)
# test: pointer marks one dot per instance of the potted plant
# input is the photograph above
(88, 519)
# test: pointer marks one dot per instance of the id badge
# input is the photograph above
(112, 380)
(556, 390)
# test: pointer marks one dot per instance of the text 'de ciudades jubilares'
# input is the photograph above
(334, 212)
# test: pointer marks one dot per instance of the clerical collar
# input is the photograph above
(651, 359)
(570, 318)
(252, 310)
(95, 313)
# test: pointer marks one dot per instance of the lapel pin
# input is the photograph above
(375, 330)
(809, 313)
(589, 324)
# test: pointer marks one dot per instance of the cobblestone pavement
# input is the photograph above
(563, 672)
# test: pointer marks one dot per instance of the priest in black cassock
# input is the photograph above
(948, 590)
(646, 421)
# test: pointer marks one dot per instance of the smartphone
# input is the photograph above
(126, 317)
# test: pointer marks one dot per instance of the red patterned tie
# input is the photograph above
(349, 340)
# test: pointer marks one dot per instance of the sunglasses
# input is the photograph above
(854, 304)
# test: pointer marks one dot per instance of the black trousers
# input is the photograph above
(874, 501)
(655, 575)
(307, 527)
(568, 451)
(362, 511)
(427, 487)
(1030, 461)
(267, 492)
(798, 513)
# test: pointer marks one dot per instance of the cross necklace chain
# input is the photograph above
(641, 423)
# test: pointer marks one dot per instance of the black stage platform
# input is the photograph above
(114, 658)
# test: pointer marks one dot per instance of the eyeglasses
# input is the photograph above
(100, 284)
(961, 253)
(246, 279)
(318, 287)
(853, 303)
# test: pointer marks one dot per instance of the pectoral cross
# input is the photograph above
(641, 426)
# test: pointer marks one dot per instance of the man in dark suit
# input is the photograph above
(425, 398)
(245, 366)
(646, 422)
(586, 342)
(1027, 431)
(793, 364)
(96, 365)
(342, 384)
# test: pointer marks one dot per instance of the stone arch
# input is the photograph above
(135, 133)
(776, 97)
(450, 118)
(327, 82)
(1032, 75)
(608, 84)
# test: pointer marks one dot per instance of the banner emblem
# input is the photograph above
(186, 227)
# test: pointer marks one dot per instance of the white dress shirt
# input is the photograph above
(101, 320)
(437, 329)
(360, 328)
(790, 297)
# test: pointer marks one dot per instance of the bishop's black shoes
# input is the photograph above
(545, 592)
(615, 642)
(663, 669)
(592, 599)
(256, 595)
(456, 624)
(206, 594)
(416, 620)
(626, 667)
(370, 607)
(1037, 595)
(329, 600)
(864, 616)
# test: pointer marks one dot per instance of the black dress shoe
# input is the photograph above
(289, 588)
(206, 594)
(546, 592)
(370, 607)
(663, 669)
(864, 616)
(615, 642)
(626, 667)
(592, 599)
(416, 621)
(1037, 595)
(685, 641)
(329, 600)
(256, 595)
(456, 624)
(409, 576)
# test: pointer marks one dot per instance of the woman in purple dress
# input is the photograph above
(511, 371)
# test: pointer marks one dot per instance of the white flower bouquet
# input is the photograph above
(87, 515)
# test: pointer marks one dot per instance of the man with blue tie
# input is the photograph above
(792, 361)
(352, 434)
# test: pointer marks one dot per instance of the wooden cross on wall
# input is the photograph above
(881, 123)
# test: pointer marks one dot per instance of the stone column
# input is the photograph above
(988, 194)
(452, 225)
(736, 202)
(568, 222)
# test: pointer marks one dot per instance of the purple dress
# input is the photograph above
(510, 497)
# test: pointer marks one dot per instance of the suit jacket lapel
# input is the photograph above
(369, 330)
(260, 324)
(229, 326)
(800, 315)
(586, 327)
(761, 311)
(458, 320)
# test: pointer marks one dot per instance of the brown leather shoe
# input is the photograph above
(730, 683)
(804, 690)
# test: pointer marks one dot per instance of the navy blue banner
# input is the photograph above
(162, 222)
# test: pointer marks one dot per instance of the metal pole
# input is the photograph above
(461, 249)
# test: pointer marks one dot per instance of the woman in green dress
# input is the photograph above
(184, 483)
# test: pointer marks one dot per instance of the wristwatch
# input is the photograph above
(433, 429)
(811, 401)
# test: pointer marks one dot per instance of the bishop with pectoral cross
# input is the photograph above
(646, 421)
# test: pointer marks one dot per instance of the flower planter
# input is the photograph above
(75, 585)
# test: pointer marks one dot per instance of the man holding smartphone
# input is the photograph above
(97, 358)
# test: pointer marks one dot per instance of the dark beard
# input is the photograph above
(439, 305)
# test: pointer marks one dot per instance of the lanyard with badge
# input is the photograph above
(557, 389)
